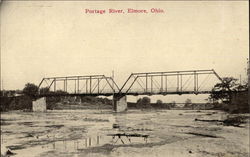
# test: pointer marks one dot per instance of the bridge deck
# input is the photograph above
(130, 93)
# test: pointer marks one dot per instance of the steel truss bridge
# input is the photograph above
(150, 83)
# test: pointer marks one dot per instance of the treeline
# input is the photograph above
(16, 103)
(145, 103)
(22, 99)
(76, 100)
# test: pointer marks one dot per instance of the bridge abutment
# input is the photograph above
(39, 105)
(120, 103)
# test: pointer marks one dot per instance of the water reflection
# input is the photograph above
(77, 144)
(131, 138)
(115, 139)
(125, 131)
(71, 132)
(121, 121)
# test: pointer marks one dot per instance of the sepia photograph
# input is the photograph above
(92, 78)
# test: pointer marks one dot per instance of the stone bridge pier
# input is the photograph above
(120, 102)
(39, 105)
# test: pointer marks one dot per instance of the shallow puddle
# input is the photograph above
(74, 146)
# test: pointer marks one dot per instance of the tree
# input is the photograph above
(188, 103)
(173, 104)
(30, 89)
(228, 83)
(60, 92)
(159, 102)
(44, 90)
(242, 87)
(144, 102)
(221, 90)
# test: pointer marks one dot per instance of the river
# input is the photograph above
(98, 133)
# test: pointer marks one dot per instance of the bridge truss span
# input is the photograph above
(150, 83)
(78, 85)
(171, 82)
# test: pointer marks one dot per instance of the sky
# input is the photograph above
(57, 38)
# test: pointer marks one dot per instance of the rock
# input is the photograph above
(9, 152)
(116, 126)
(5, 151)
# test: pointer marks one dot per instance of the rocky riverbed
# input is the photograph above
(77, 133)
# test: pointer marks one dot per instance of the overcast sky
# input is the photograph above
(56, 38)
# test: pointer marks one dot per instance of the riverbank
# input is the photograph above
(77, 103)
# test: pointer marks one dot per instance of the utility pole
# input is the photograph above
(2, 89)
(240, 79)
(113, 88)
(113, 77)
(248, 70)
(248, 73)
